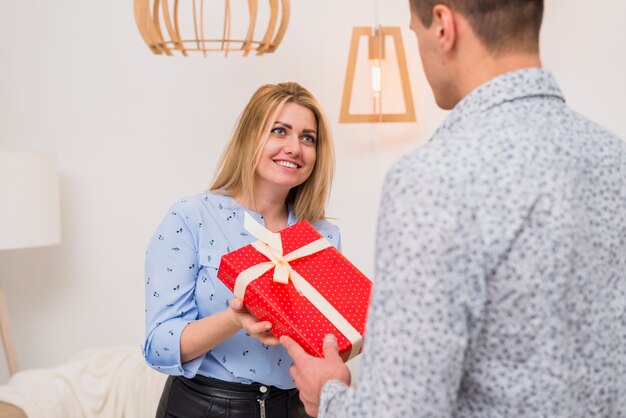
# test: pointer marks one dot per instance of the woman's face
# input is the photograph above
(288, 157)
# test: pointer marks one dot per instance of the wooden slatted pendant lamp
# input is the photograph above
(166, 26)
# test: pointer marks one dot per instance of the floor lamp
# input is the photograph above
(29, 215)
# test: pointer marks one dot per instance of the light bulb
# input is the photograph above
(376, 78)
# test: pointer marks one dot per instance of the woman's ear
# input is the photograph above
(444, 20)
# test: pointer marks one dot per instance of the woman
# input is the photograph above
(278, 167)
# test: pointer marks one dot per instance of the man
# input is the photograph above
(500, 284)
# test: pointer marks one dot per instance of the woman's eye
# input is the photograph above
(309, 138)
(279, 131)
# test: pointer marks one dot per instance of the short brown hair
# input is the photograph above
(238, 163)
(501, 25)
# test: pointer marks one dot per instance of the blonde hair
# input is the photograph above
(238, 163)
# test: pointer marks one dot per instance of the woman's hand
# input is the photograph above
(259, 330)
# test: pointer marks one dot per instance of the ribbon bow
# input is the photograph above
(270, 244)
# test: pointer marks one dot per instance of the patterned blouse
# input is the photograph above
(500, 284)
(181, 285)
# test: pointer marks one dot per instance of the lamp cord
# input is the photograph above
(375, 13)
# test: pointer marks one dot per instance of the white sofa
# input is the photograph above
(104, 383)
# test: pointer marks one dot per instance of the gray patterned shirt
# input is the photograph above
(501, 267)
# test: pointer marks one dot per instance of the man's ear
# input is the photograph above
(444, 21)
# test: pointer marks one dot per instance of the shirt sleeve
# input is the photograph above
(426, 302)
(329, 231)
(171, 270)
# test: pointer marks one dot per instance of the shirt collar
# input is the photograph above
(507, 87)
(227, 202)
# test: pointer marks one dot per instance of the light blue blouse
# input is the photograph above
(181, 285)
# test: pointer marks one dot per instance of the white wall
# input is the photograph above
(135, 131)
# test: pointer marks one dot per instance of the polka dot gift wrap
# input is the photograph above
(328, 272)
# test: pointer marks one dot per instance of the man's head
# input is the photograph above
(501, 25)
(461, 38)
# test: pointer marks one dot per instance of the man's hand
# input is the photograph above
(311, 373)
(247, 321)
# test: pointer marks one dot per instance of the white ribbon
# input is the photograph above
(269, 244)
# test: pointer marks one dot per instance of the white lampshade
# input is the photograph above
(30, 214)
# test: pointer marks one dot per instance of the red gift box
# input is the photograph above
(304, 297)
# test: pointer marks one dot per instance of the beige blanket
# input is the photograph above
(104, 383)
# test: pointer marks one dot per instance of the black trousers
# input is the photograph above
(205, 397)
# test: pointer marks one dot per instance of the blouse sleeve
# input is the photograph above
(330, 232)
(171, 271)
